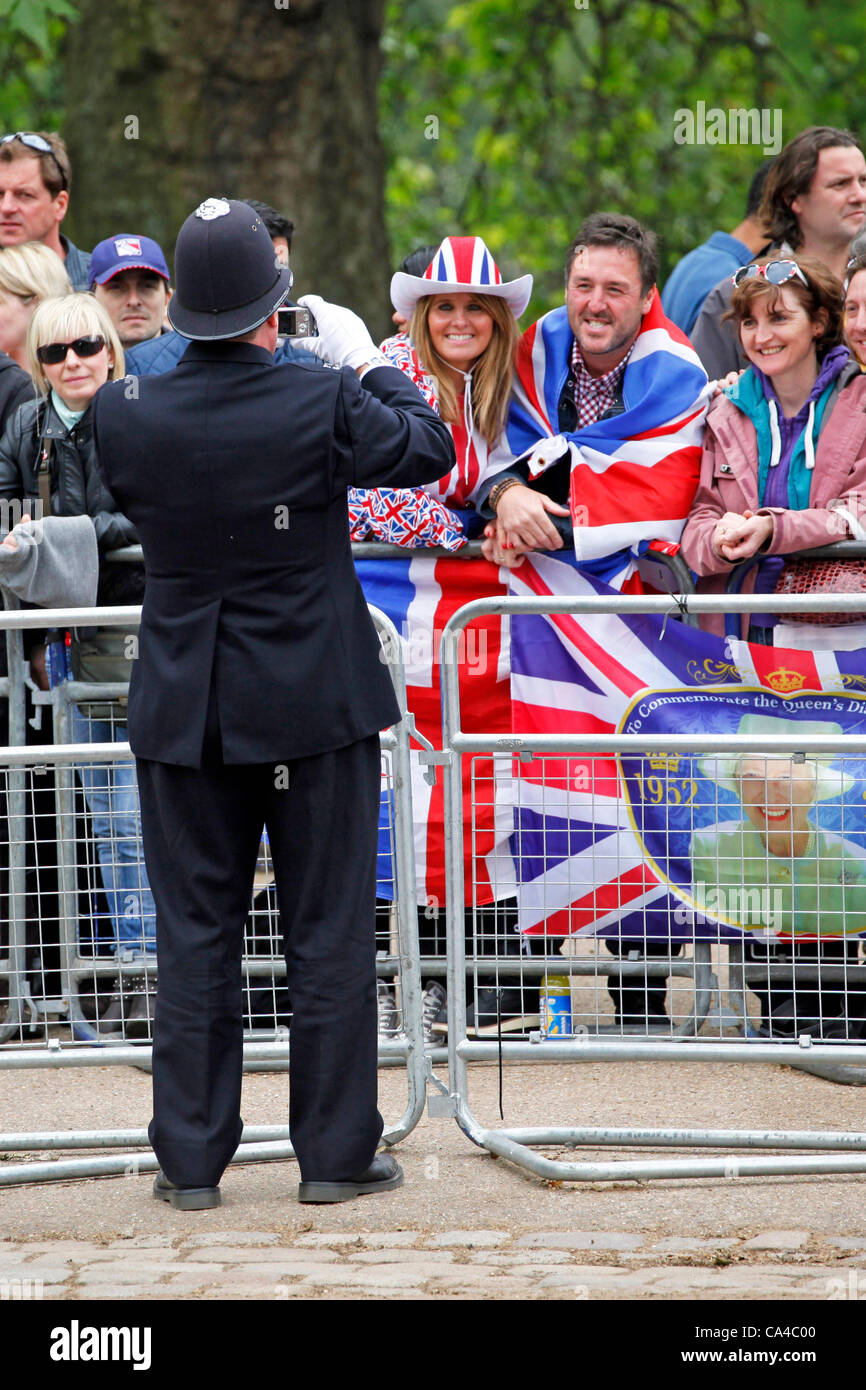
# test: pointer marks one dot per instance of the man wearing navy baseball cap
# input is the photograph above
(129, 276)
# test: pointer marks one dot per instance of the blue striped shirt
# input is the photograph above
(77, 265)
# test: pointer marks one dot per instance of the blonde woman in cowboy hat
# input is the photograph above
(774, 873)
(459, 350)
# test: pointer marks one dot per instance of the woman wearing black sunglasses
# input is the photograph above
(28, 274)
(46, 454)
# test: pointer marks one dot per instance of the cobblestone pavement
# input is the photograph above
(465, 1225)
(474, 1264)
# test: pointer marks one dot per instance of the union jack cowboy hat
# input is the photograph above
(462, 265)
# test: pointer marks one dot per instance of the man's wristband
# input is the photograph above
(497, 490)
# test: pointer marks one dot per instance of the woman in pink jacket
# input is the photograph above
(784, 456)
(784, 469)
(855, 308)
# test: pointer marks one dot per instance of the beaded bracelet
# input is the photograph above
(497, 490)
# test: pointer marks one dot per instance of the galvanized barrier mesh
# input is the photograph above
(783, 898)
(689, 896)
(85, 966)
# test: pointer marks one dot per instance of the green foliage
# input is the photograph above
(547, 111)
(31, 32)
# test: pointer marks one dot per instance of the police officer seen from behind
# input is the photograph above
(258, 695)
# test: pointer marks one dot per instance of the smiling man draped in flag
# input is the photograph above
(606, 420)
(607, 413)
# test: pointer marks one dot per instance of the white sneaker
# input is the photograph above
(389, 1015)
(434, 1010)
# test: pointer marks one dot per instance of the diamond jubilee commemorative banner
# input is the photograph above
(761, 843)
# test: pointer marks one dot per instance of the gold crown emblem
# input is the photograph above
(666, 762)
(785, 680)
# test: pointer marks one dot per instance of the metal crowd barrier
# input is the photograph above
(778, 973)
(56, 965)
(661, 567)
(699, 1036)
(838, 550)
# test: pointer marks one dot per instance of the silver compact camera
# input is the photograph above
(294, 321)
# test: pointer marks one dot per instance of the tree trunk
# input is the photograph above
(174, 102)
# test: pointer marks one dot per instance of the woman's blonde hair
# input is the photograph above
(32, 271)
(62, 321)
(492, 374)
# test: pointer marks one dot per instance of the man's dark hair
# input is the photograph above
(54, 164)
(619, 230)
(418, 260)
(856, 264)
(276, 224)
(756, 188)
(792, 174)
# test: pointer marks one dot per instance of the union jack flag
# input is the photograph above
(419, 594)
(403, 516)
(633, 475)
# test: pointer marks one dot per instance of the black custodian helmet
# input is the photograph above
(227, 278)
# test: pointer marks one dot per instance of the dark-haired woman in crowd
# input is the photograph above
(784, 455)
(855, 308)
(783, 470)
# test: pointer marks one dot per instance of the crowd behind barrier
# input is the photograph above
(71, 933)
(597, 429)
(707, 996)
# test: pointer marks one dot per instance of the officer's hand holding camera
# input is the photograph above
(343, 339)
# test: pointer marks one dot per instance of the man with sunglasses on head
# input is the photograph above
(34, 197)
(814, 204)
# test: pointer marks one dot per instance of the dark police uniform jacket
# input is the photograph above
(234, 472)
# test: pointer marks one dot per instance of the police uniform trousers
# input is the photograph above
(202, 830)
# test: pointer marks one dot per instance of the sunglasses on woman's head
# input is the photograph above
(52, 353)
(776, 273)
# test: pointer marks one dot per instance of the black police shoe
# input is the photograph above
(185, 1198)
(383, 1174)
